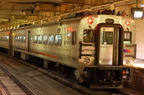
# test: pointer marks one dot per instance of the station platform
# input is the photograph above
(137, 83)
(139, 63)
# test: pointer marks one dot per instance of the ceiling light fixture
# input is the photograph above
(142, 3)
(112, 6)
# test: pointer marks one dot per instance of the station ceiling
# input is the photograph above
(14, 12)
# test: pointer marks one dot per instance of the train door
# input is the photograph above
(103, 46)
(70, 42)
(110, 42)
(29, 40)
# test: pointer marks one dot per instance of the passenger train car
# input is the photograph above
(97, 48)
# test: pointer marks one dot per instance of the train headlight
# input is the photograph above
(86, 60)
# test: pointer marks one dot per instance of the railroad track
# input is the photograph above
(17, 81)
(117, 92)
(78, 88)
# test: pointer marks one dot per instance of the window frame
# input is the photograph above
(93, 40)
(49, 39)
(130, 38)
(35, 40)
(39, 39)
(57, 44)
(45, 42)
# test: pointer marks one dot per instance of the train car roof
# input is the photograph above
(71, 17)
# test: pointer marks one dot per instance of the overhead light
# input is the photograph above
(142, 3)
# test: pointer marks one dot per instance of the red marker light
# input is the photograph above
(123, 72)
(69, 29)
(90, 20)
(127, 22)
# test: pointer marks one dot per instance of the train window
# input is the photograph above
(51, 39)
(127, 37)
(21, 38)
(35, 38)
(88, 36)
(107, 38)
(7, 38)
(0, 38)
(18, 38)
(15, 38)
(45, 39)
(4, 38)
(58, 40)
(73, 37)
(39, 39)
(24, 38)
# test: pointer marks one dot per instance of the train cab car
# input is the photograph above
(104, 51)
(99, 48)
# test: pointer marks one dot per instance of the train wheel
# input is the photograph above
(17, 55)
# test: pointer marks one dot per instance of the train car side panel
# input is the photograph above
(4, 39)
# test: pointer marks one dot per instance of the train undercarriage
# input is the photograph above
(106, 77)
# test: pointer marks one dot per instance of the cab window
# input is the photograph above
(107, 38)
(127, 37)
(88, 36)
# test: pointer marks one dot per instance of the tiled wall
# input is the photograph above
(140, 38)
(137, 83)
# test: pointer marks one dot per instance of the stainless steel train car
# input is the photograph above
(97, 48)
